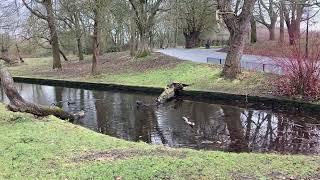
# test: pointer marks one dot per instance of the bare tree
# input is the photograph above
(69, 14)
(95, 37)
(145, 12)
(253, 33)
(194, 17)
(293, 15)
(281, 38)
(238, 26)
(49, 18)
(268, 15)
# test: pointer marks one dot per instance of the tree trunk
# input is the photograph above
(95, 43)
(18, 104)
(271, 29)
(78, 35)
(291, 36)
(143, 47)
(132, 37)
(232, 65)
(271, 33)
(19, 54)
(54, 35)
(175, 43)
(192, 39)
(80, 49)
(253, 38)
(294, 32)
(151, 39)
(281, 39)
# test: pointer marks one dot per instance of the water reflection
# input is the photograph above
(216, 127)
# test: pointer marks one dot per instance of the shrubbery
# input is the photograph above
(300, 77)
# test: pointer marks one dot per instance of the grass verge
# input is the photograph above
(156, 71)
(49, 148)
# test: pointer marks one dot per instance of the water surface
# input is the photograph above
(217, 127)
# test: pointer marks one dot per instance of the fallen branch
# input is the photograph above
(18, 104)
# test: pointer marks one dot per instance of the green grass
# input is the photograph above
(201, 76)
(31, 65)
(49, 148)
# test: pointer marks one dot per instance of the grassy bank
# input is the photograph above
(50, 148)
(156, 71)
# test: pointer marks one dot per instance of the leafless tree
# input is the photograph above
(238, 26)
(267, 14)
(194, 17)
(145, 12)
(50, 19)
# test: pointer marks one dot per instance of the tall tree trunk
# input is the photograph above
(272, 35)
(133, 44)
(294, 31)
(238, 26)
(78, 36)
(192, 39)
(95, 43)
(281, 38)
(151, 39)
(19, 54)
(54, 35)
(132, 36)
(175, 44)
(80, 49)
(253, 38)
(143, 46)
(232, 65)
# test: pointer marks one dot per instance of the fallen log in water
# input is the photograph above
(170, 92)
(18, 104)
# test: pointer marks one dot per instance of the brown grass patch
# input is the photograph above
(120, 154)
(111, 63)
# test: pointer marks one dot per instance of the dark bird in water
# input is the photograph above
(141, 104)
(186, 120)
(70, 103)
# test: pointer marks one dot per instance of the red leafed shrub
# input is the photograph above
(300, 73)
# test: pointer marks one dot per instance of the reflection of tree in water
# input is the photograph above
(232, 117)
(101, 111)
(267, 132)
(58, 91)
(117, 115)
(296, 136)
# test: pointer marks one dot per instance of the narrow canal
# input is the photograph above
(217, 127)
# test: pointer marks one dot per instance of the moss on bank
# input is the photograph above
(53, 149)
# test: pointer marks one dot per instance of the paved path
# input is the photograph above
(201, 55)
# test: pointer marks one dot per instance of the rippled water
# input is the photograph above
(217, 127)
